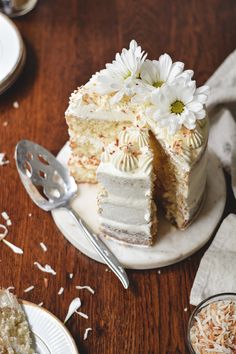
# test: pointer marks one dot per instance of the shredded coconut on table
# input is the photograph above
(46, 269)
(214, 329)
(40, 304)
(82, 314)
(3, 160)
(5, 215)
(74, 306)
(61, 290)
(4, 232)
(43, 246)
(71, 275)
(86, 333)
(30, 288)
(85, 287)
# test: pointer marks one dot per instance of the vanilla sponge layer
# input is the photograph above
(88, 137)
(143, 235)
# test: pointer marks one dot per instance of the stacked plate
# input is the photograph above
(12, 53)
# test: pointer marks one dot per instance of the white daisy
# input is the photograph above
(157, 72)
(154, 74)
(120, 76)
(179, 104)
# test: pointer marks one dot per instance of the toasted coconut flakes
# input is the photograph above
(46, 269)
(45, 280)
(86, 333)
(15, 105)
(43, 246)
(3, 160)
(214, 329)
(5, 215)
(82, 314)
(30, 288)
(10, 288)
(61, 291)
(74, 306)
(85, 287)
(71, 275)
(40, 304)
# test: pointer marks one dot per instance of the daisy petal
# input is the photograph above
(165, 63)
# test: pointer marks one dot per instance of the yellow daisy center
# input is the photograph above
(177, 107)
(127, 75)
(158, 84)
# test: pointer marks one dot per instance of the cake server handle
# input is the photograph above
(101, 249)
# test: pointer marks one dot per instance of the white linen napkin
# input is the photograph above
(217, 269)
(221, 107)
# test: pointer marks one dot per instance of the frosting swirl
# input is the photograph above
(146, 159)
(135, 135)
(124, 159)
(194, 139)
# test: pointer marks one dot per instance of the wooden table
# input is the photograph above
(67, 41)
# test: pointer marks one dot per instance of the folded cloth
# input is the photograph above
(217, 269)
(221, 107)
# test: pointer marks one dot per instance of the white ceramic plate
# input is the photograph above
(11, 49)
(172, 245)
(50, 335)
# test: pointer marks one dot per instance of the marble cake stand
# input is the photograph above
(172, 245)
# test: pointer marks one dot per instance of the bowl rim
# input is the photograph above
(200, 306)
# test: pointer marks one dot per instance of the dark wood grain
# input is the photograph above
(67, 41)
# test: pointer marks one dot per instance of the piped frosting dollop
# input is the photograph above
(125, 158)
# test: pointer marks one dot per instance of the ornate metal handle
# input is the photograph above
(102, 249)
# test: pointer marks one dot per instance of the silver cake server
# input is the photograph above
(50, 186)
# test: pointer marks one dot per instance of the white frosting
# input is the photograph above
(98, 107)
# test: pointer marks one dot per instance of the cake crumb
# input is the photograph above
(5, 124)
(40, 304)
(16, 105)
(159, 271)
(185, 309)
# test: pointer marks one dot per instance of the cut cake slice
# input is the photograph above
(126, 206)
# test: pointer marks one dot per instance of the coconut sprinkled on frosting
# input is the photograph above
(125, 158)
(134, 135)
(131, 151)
(164, 90)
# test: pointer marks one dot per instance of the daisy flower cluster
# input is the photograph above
(166, 90)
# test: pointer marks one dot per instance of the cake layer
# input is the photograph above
(136, 213)
(87, 141)
(142, 235)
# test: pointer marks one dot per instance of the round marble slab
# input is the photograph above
(172, 245)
